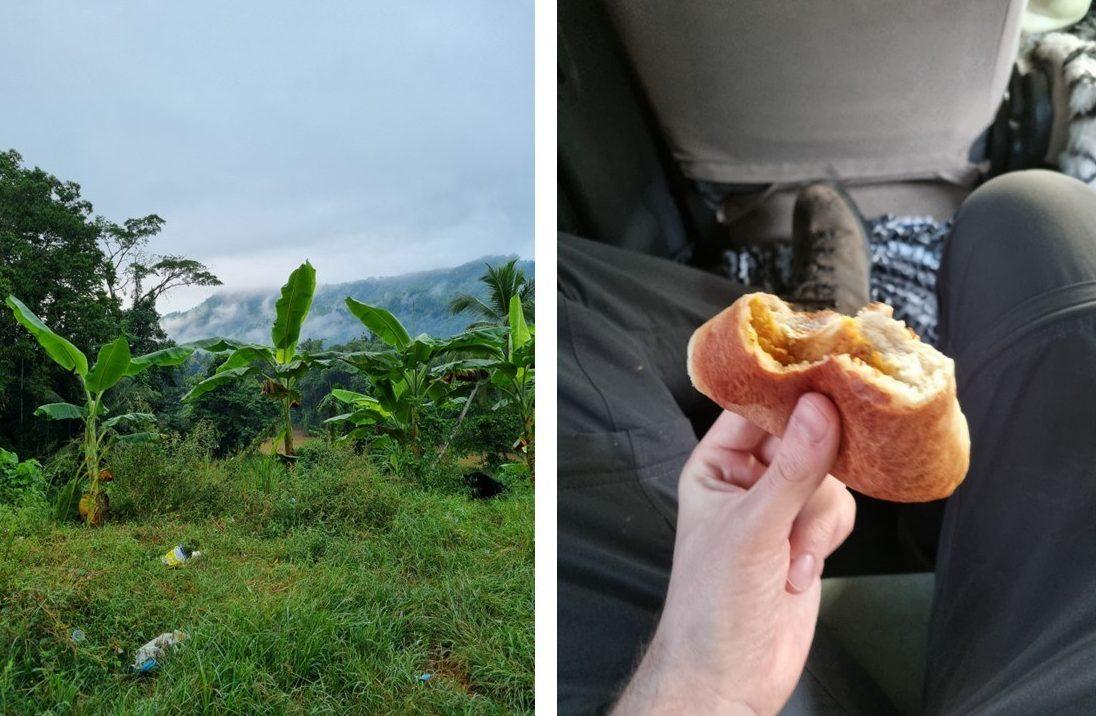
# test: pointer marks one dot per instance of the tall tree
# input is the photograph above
(136, 276)
(50, 257)
(503, 283)
(137, 279)
(85, 276)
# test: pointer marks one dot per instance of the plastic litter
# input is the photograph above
(179, 555)
(150, 655)
(423, 678)
(78, 636)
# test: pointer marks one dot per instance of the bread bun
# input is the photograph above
(903, 436)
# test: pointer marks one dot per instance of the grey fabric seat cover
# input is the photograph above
(763, 91)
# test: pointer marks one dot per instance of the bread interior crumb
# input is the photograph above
(873, 341)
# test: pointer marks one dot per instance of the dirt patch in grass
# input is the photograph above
(472, 462)
(300, 437)
(443, 665)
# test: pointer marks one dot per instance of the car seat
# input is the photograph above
(891, 98)
(673, 116)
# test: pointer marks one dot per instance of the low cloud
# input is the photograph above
(371, 139)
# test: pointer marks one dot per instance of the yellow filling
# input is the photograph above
(789, 349)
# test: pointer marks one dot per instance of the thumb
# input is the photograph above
(806, 454)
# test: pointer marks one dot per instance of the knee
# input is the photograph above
(1030, 190)
(1022, 211)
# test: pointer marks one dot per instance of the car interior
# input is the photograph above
(685, 131)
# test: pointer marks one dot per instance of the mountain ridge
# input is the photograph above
(418, 299)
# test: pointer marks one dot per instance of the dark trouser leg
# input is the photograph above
(1014, 619)
(624, 434)
(628, 419)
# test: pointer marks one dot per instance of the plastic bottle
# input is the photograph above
(150, 655)
(179, 555)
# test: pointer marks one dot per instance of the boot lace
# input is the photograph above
(816, 277)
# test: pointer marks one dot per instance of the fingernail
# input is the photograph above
(801, 572)
(809, 420)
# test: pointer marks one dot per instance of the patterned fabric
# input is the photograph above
(1072, 65)
(905, 254)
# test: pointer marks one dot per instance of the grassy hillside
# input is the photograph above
(419, 300)
(330, 588)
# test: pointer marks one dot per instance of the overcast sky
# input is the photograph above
(372, 137)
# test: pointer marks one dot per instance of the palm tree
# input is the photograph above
(502, 282)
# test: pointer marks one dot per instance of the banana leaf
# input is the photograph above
(383, 324)
(349, 396)
(215, 345)
(245, 355)
(129, 418)
(62, 411)
(215, 381)
(519, 331)
(110, 366)
(60, 350)
(291, 310)
(164, 358)
(136, 438)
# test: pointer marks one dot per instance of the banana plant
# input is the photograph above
(408, 376)
(101, 433)
(514, 375)
(277, 367)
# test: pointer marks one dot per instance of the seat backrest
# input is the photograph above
(756, 91)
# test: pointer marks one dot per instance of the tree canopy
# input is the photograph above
(84, 276)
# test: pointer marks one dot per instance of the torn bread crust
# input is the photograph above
(904, 437)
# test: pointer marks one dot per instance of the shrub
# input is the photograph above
(27, 520)
(175, 474)
(20, 482)
(316, 455)
(23, 510)
(427, 471)
(334, 486)
(330, 490)
(484, 432)
(240, 414)
(513, 472)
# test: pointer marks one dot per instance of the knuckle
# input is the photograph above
(842, 529)
(787, 468)
(828, 530)
(843, 521)
(822, 532)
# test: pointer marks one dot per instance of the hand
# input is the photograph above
(757, 515)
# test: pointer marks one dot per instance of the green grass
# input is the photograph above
(326, 589)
